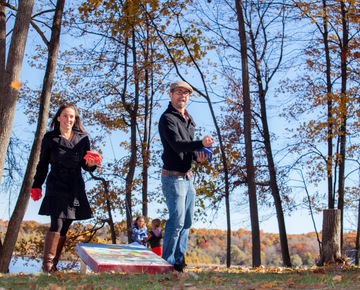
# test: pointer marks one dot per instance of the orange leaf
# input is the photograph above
(266, 285)
(16, 85)
(216, 280)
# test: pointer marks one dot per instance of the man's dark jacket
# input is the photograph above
(177, 137)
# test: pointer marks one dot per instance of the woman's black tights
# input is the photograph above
(60, 225)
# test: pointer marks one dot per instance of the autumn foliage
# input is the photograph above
(206, 246)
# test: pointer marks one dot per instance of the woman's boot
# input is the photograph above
(58, 252)
(50, 246)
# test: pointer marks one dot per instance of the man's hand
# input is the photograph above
(207, 151)
(201, 156)
(208, 141)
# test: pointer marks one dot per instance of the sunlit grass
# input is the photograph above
(335, 277)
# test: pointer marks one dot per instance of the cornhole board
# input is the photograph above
(121, 258)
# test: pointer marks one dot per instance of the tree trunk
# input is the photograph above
(110, 220)
(250, 170)
(145, 144)
(17, 216)
(2, 41)
(343, 105)
(357, 237)
(130, 176)
(331, 251)
(262, 92)
(8, 94)
(133, 110)
(330, 104)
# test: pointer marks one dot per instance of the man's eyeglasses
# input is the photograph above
(181, 92)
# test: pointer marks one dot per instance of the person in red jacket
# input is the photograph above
(65, 200)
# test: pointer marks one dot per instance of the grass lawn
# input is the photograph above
(332, 277)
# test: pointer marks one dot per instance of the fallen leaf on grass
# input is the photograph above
(216, 280)
(260, 269)
(179, 276)
(320, 271)
(266, 285)
(355, 278)
(194, 275)
(316, 286)
(84, 287)
(337, 278)
(197, 269)
(275, 270)
(56, 287)
(33, 279)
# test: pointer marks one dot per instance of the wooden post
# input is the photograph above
(82, 267)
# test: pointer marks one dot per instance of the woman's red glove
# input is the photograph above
(35, 193)
(92, 157)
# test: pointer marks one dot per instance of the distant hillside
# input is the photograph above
(206, 246)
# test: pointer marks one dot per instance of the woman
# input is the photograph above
(64, 148)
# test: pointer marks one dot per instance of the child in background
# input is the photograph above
(155, 236)
(139, 231)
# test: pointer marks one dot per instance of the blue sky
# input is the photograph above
(299, 222)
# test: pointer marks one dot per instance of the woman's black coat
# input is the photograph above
(65, 195)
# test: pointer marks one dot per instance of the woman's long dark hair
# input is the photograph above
(55, 124)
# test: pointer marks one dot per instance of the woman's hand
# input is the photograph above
(92, 159)
(35, 193)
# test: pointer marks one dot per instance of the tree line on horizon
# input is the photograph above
(206, 246)
(279, 78)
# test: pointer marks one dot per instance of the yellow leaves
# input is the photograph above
(260, 269)
(89, 7)
(351, 2)
(275, 270)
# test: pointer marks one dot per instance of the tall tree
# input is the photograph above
(330, 86)
(17, 216)
(263, 76)
(265, 24)
(250, 169)
(11, 70)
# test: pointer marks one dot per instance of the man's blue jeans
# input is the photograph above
(179, 193)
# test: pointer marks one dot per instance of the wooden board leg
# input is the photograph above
(82, 267)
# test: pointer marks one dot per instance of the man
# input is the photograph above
(177, 128)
